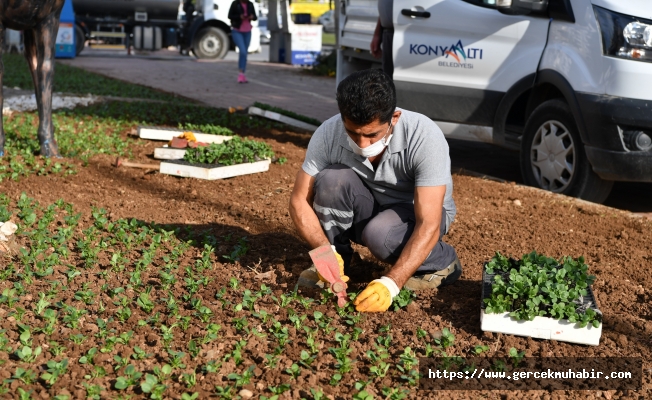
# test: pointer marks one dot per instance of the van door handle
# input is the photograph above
(415, 14)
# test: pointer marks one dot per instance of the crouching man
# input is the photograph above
(378, 176)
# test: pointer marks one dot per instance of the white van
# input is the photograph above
(568, 82)
(156, 24)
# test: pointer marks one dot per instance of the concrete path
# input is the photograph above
(215, 83)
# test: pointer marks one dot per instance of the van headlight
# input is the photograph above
(624, 36)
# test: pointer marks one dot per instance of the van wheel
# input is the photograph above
(211, 43)
(80, 40)
(553, 157)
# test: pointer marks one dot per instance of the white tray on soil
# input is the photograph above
(166, 134)
(540, 327)
(281, 118)
(169, 153)
(210, 172)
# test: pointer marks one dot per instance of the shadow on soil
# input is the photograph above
(501, 163)
(233, 243)
(458, 303)
(243, 251)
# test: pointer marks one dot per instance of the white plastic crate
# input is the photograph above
(204, 171)
(540, 327)
(169, 153)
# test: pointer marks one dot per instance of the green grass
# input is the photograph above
(98, 129)
(69, 79)
(328, 39)
(77, 136)
(175, 114)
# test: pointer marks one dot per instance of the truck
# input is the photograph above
(199, 27)
(567, 83)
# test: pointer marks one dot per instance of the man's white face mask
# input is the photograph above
(373, 149)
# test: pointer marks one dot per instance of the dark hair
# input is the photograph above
(365, 96)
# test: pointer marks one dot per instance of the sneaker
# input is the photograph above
(310, 279)
(435, 279)
(244, 79)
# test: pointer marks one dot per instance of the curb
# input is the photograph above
(281, 118)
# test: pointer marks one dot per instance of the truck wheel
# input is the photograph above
(80, 40)
(553, 157)
(211, 43)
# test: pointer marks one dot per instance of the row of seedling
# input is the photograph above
(182, 291)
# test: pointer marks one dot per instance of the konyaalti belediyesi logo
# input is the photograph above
(456, 52)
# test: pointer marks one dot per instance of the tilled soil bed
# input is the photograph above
(216, 240)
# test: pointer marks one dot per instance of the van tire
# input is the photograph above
(211, 43)
(553, 157)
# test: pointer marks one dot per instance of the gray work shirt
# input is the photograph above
(385, 10)
(417, 155)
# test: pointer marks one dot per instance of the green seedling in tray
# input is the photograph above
(209, 129)
(542, 286)
(234, 151)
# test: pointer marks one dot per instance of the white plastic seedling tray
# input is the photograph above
(209, 172)
(280, 118)
(166, 134)
(540, 327)
(169, 153)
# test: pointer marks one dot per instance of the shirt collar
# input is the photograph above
(399, 138)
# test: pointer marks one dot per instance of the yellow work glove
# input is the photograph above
(377, 296)
(340, 262)
(189, 136)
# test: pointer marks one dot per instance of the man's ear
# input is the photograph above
(396, 116)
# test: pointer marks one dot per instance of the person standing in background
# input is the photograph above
(381, 44)
(241, 13)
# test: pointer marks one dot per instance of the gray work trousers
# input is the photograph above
(387, 57)
(347, 211)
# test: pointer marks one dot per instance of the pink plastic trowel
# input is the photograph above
(326, 263)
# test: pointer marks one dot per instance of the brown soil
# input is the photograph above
(616, 246)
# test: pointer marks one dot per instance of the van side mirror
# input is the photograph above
(521, 7)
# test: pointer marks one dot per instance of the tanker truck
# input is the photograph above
(200, 26)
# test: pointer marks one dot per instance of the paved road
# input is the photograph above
(214, 83)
